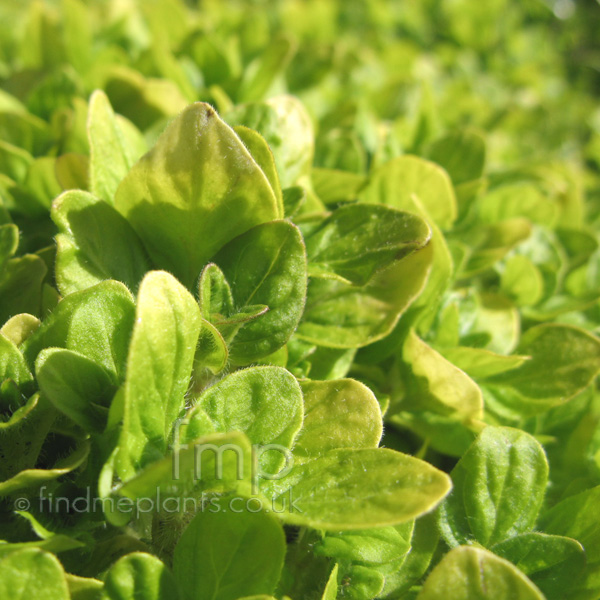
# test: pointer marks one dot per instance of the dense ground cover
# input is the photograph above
(299, 299)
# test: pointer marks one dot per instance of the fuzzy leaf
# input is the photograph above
(196, 190)
(160, 360)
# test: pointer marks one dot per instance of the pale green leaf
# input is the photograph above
(358, 240)
(96, 322)
(111, 156)
(140, 576)
(265, 266)
(76, 386)
(358, 489)
(397, 180)
(224, 554)
(467, 573)
(499, 486)
(160, 360)
(265, 403)
(30, 574)
(337, 414)
(196, 190)
(95, 243)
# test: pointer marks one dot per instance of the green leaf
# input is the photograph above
(489, 321)
(9, 242)
(522, 281)
(140, 99)
(216, 462)
(72, 171)
(369, 547)
(396, 181)
(265, 403)
(214, 294)
(438, 400)
(18, 328)
(32, 573)
(265, 266)
(76, 386)
(12, 364)
(95, 243)
(331, 363)
(41, 182)
(339, 315)
(194, 425)
(140, 576)
(261, 153)
(423, 544)
(10, 104)
(552, 562)
(83, 588)
(211, 352)
(499, 486)
(576, 517)
(96, 323)
(305, 575)
(564, 361)
(356, 489)
(287, 127)
(491, 243)
(49, 541)
(25, 131)
(160, 360)
(330, 592)
(169, 67)
(31, 407)
(36, 428)
(21, 282)
(77, 34)
(332, 185)
(440, 276)
(480, 363)
(362, 583)
(196, 190)
(517, 199)
(14, 161)
(435, 384)
(293, 199)
(358, 240)
(111, 154)
(461, 153)
(467, 573)
(337, 414)
(224, 554)
(261, 73)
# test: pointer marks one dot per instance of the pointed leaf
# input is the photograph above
(111, 156)
(196, 190)
(358, 489)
